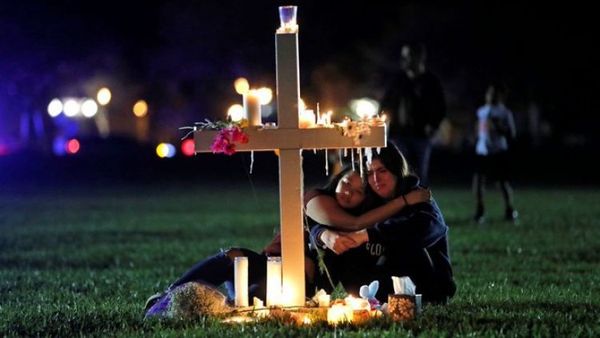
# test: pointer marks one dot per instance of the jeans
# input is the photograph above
(217, 270)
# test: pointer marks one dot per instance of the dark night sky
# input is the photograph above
(544, 53)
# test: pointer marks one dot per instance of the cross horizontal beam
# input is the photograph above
(283, 138)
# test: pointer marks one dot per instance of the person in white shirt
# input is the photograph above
(495, 130)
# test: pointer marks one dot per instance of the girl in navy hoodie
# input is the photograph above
(413, 242)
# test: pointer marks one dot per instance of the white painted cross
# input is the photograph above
(290, 140)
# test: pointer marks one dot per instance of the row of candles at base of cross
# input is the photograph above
(350, 309)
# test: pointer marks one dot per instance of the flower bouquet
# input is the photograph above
(230, 133)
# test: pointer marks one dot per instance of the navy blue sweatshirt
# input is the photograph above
(417, 227)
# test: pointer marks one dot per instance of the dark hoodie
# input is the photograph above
(420, 225)
(418, 230)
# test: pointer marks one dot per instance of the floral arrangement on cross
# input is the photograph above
(356, 130)
(230, 134)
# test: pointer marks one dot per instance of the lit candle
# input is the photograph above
(339, 313)
(241, 281)
(257, 302)
(273, 281)
(287, 17)
(252, 108)
(259, 307)
(357, 303)
(383, 117)
(328, 118)
(324, 300)
(307, 119)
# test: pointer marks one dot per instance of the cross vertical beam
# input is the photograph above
(290, 172)
(288, 79)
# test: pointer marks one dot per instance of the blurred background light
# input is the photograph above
(72, 147)
(59, 146)
(140, 108)
(4, 149)
(265, 95)
(364, 107)
(89, 108)
(241, 85)
(165, 150)
(104, 95)
(188, 147)
(235, 112)
(55, 107)
(71, 107)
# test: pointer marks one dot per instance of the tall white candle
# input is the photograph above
(241, 281)
(273, 281)
(252, 108)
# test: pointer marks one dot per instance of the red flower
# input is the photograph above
(226, 140)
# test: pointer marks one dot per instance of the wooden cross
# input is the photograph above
(290, 140)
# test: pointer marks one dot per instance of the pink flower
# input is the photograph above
(226, 140)
(229, 149)
(238, 136)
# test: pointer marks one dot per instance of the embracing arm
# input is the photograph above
(422, 227)
(325, 210)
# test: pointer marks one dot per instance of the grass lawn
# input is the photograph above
(82, 261)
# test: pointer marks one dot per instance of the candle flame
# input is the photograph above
(301, 105)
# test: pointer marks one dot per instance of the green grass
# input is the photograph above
(83, 261)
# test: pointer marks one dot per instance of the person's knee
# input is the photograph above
(232, 253)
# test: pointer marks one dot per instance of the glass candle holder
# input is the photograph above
(287, 18)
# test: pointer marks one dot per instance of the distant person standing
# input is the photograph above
(415, 104)
(495, 130)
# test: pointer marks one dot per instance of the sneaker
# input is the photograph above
(479, 215)
(152, 300)
(511, 215)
